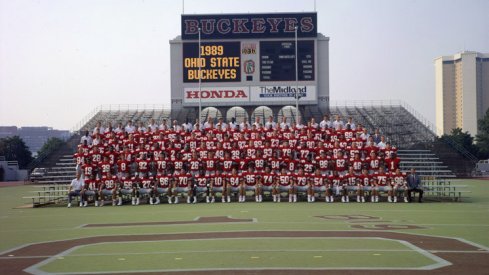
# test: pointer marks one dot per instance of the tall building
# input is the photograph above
(462, 91)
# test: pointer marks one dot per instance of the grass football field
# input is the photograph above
(261, 237)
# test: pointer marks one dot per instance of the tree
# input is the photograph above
(463, 139)
(14, 148)
(50, 145)
(482, 138)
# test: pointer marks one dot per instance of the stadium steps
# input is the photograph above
(425, 162)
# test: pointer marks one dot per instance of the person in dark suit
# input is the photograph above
(414, 185)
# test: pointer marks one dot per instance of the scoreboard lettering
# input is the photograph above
(219, 62)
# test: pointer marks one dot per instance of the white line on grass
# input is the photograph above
(439, 262)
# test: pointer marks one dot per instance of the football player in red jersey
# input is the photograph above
(108, 187)
(258, 161)
(284, 183)
(316, 185)
(89, 170)
(301, 184)
(126, 189)
(382, 185)
(105, 166)
(146, 187)
(193, 164)
(340, 163)
(392, 162)
(357, 163)
(90, 190)
(210, 164)
(234, 183)
(337, 182)
(123, 167)
(163, 186)
(183, 185)
(352, 184)
(142, 166)
(226, 163)
(398, 184)
(79, 157)
(218, 186)
(373, 163)
(322, 163)
(268, 182)
(364, 184)
(249, 178)
(202, 185)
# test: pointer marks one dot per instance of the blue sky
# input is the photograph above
(60, 59)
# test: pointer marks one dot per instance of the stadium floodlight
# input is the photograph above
(200, 83)
(296, 79)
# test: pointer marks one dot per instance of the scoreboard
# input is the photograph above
(248, 59)
(219, 62)
(277, 60)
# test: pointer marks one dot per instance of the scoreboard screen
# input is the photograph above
(277, 60)
(219, 62)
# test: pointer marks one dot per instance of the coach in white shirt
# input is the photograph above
(284, 123)
(75, 189)
(382, 143)
(325, 123)
(221, 124)
(338, 122)
(129, 127)
(245, 122)
(352, 124)
(152, 125)
(270, 122)
(86, 138)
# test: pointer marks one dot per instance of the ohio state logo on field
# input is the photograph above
(216, 94)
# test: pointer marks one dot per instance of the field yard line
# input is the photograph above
(439, 261)
(40, 272)
(227, 223)
(34, 269)
(446, 237)
(250, 230)
(225, 251)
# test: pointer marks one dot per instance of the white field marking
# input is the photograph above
(237, 231)
(254, 230)
(35, 269)
(238, 251)
(254, 220)
(300, 268)
(439, 262)
(445, 237)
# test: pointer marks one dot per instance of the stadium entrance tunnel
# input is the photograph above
(262, 112)
(210, 112)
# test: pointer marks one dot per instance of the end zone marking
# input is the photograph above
(435, 243)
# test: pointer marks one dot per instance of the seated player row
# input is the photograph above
(182, 183)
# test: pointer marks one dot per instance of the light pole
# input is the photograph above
(296, 79)
(200, 83)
